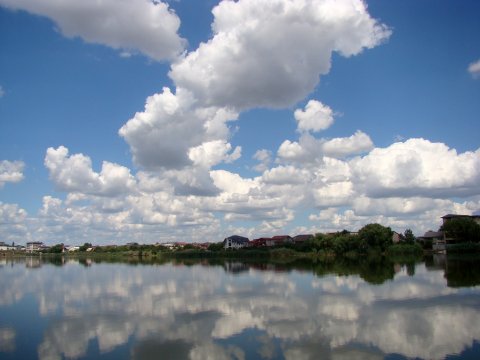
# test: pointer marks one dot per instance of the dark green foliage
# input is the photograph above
(280, 253)
(409, 237)
(376, 271)
(464, 248)
(305, 246)
(464, 270)
(463, 229)
(238, 254)
(398, 249)
(339, 243)
(56, 249)
(427, 244)
(376, 236)
(216, 246)
(85, 246)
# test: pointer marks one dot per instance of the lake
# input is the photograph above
(369, 309)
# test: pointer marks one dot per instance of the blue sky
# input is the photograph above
(264, 117)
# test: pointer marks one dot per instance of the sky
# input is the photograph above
(158, 121)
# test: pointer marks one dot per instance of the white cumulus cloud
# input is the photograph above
(315, 117)
(163, 135)
(341, 147)
(418, 167)
(11, 214)
(11, 171)
(232, 183)
(264, 157)
(474, 69)
(310, 149)
(74, 173)
(214, 152)
(13, 221)
(271, 53)
(139, 25)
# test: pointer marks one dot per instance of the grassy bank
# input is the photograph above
(276, 254)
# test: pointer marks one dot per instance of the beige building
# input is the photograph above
(33, 246)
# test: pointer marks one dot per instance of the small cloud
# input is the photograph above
(7, 339)
(264, 157)
(315, 117)
(11, 171)
(474, 69)
(2, 92)
(125, 54)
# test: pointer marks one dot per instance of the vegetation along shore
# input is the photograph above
(462, 234)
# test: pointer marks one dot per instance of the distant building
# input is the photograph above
(440, 240)
(431, 235)
(202, 246)
(279, 240)
(6, 247)
(435, 237)
(260, 242)
(300, 239)
(397, 237)
(169, 246)
(235, 242)
(448, 217)
(34, 246)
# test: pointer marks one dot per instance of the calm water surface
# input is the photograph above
(233, 310)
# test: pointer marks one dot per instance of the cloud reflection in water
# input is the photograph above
(200, 311)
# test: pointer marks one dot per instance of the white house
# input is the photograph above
(6, 247)
(235, 242)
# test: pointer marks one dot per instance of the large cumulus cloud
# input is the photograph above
(74, 173)
(146, 26)
(13, 225)
(172, 131)
(271, 53)
(418, 167)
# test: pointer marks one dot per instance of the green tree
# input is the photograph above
(216, 246)
(376, 236)
(85, 246)
(56, 249)
(463, 229)
(409, 237)
(323, 242)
